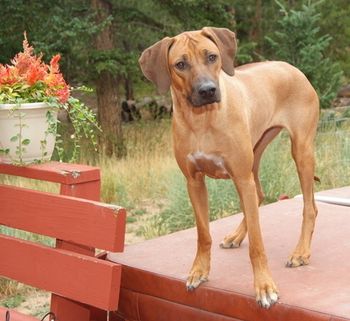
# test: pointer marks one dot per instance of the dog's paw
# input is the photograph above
(195, 279)
(266, 290)
(232, 241)
(297, 260)
(267, 299)
(229, 244)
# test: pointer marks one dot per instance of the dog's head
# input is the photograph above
(191, 63)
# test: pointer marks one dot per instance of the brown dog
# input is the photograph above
(223, 120)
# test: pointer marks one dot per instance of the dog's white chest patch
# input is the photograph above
(210, 164)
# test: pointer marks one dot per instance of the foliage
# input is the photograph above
(336, 22)
(68, 27)
(245, 52)
(137, 24)
(299, 42)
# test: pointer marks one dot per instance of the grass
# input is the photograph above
(149, 184)
(150, 173)
(13, 301)
(141, 174)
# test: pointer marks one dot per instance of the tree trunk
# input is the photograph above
(256, 31)
(129, 88)
(109, 110)
(128, 83)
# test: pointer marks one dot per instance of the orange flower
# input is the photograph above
(8, 75)
(54, 67)
(35, 73)
(29, 69)
(63, 94)
(24, 60)
(55, 81)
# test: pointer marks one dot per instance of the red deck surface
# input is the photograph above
(154, 272)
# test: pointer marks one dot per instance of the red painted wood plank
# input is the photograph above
(54, 172)
(89, 190)
(67, 218)
(16, 316)
(69, 310)
(75, 276)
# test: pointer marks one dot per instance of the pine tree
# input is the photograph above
(299, 42)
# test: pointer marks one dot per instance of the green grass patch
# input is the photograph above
(12, 301)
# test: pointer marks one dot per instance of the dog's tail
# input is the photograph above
(317, 179)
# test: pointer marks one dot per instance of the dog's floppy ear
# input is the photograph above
(154, 64)
(225, 40)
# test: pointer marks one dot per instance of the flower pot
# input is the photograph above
(25, 133)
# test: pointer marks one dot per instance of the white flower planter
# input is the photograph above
(27, 122)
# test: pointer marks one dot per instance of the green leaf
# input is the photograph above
(4, 151)
(26, 141)
(14, 138)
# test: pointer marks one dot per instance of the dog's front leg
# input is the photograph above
(199, 199)
(266, 291)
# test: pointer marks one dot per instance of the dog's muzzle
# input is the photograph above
(206, 92)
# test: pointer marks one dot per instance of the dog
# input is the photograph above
(223, 119)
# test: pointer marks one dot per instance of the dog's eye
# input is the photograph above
(212, 58)
(180, 65)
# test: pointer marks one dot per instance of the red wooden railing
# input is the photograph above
(82, 285)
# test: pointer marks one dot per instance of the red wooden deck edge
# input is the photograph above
(140, 306)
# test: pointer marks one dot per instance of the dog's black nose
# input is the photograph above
(207, 90)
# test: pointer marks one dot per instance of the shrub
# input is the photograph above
(299, 42)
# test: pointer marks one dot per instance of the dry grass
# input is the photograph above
(143, 173)
(150, 175)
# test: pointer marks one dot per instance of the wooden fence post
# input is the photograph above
(66, 309)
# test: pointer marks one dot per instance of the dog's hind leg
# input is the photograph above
(303, 154)
(234, 239)
(259, 149)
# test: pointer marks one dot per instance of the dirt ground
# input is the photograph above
(37, 303)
